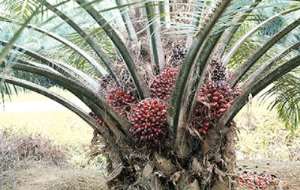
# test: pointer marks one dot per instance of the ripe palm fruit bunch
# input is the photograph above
(213, 100)
(163, 84)
(99, 120)
(120, 100)
(149, 121)
(253, 181)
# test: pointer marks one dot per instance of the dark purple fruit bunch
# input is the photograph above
(178, 54)
(213, 100)
(163, 84)
(218, 72)
(149, 121)
(99, 120)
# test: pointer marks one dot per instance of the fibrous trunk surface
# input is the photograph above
(210, 166)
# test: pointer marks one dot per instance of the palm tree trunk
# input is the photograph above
(211, 165)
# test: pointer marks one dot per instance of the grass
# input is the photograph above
(63, 127)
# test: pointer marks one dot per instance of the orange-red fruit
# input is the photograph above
(120, 100)
(255, 181)
(164, 83)
(118, 97)
(149, 121)
(213, 100)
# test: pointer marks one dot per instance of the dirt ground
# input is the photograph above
(41, 177)
(288, 172)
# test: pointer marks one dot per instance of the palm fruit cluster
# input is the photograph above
(200, 119)
(218, 71)
(178, 54)
(120, 100)
(213, 100)
(149, 121)
(117, 97)
(163, 84)
(211, 103)
(253, 181)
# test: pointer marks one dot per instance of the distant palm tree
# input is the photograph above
(161, 95)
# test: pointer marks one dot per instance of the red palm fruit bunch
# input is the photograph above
(120, 100)
(213, 100)
(149, 121)
(253, 181)
(163, 84)
(99, 120)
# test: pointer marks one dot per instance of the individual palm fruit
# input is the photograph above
(254, 180)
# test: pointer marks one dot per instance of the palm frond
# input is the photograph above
(5, 88)
(126, 19)
(164, 10)
(84, 35)
(191, 60)
(285, 99)
(257, 85)
(238, 44)
(157, 52)
(10, 44)
(65, 42)
(118, 42)
(261, 51)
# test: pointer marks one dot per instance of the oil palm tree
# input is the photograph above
(164, 97)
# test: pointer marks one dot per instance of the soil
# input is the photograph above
(41, 177)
